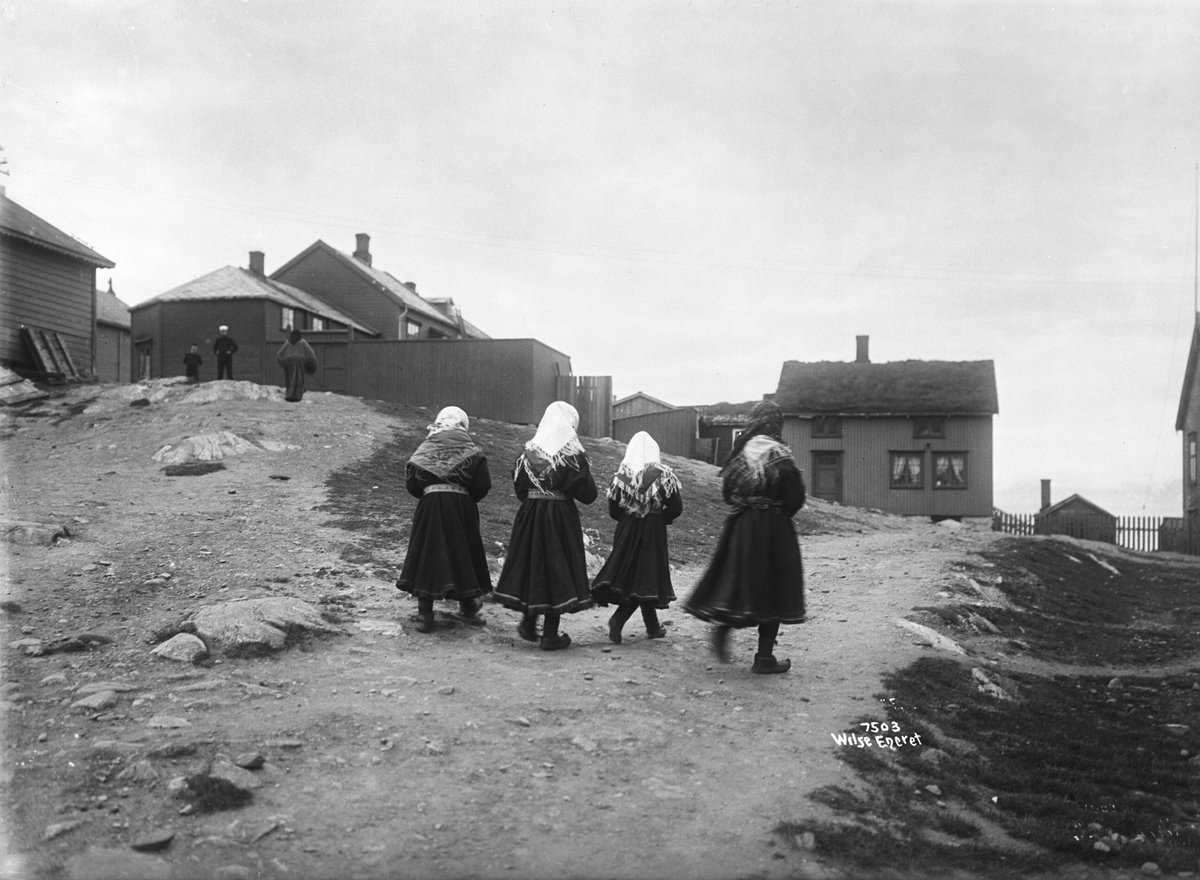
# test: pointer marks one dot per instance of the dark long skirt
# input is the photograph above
(445, 551)
(545, 570)
(637, 570)
(755, 576)
(293, 374)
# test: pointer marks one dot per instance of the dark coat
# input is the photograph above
(756, 575)
(545, 569)
(445, 557)
(638, 569)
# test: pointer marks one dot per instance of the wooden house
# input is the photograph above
(638, 404)
(47, 284)
(906, 437)
(1074, 516)
(258, 310)
(719, 425)
(372, 296)
(113, 350)
(1188, 422)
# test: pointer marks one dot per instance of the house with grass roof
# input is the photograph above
(906, 437)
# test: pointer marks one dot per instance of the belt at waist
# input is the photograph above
(763, 503)
(547, 495)
(444, 487)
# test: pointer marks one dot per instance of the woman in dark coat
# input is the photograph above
(756, 577)
(297, 359)
(644, 499)
(545, 571)
(449, 474)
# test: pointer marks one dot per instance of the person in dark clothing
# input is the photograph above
(446, 561)
(224, 349)
(545, 571)
(644, 498)
(191, 364)
(756, 577)
(297, 359)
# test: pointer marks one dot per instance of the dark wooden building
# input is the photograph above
(638, 404)
(113, 349)
(47, 281)
(258, 311)
(1074, 516)
(907, 437)
(373, 296)
(1188, 422)
(719, 425)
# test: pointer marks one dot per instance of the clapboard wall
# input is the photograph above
(42, 288)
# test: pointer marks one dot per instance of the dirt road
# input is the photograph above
(390, 753)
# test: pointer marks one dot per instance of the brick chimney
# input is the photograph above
(1045, 494)
(863, 356)
(362, 250)
(256, 262)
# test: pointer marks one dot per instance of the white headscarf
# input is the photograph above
(642, 482)
(450, 417)
(555, 440)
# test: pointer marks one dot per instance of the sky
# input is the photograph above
(681, 195)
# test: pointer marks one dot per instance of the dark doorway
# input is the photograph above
(827, 476)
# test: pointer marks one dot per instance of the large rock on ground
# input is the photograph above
(256, 626)
(184, 648)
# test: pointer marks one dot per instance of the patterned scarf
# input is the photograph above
(448, 446)
(554, 444)
(642, 483)
(753, 465)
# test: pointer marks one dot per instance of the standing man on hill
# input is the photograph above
(224, 348)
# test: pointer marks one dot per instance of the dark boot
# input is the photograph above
(424, 615)
(527, 628)
(468, 608)
(654, 630)
(720, 641)
(766, 664)
(617, 622)
(551, 639)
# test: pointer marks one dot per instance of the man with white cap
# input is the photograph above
(224, 348)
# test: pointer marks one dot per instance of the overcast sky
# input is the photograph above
(679, 195)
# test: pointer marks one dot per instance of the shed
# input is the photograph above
(1076, 517)
(113, 351)
(47, 282)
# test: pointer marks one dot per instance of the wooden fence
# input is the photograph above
(1147, 533)
(592, 398)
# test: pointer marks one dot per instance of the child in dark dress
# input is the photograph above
(449, 474)
(644, 498)
(191, 364)
(545, 571)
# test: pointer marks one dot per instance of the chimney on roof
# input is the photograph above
(863, 356)
(411, 285)
(256, 262)
(362, 250)
(110, 284)
(1045, 494)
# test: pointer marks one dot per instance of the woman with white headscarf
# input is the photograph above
(644, 499)
(545, 571)
(449, 474)
(756, 577)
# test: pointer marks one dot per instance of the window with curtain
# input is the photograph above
(412, 329)
(318, 323)
(1192, 458)
(907, 470)
(287, 320)
(949, 470)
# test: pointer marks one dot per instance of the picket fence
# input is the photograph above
(1146, 533)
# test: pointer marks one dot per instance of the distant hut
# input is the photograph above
(1076, 517)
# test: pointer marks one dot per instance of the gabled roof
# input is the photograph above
(25, 225)
(230, 282)
(644, 396)
(1189, 376)
(896, 388)
(1054, 508)
(110, 309)
(388, 283)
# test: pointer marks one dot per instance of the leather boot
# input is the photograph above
(766, 664)
(527, 628)
(720, 641)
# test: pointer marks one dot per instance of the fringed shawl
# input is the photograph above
(448, 446)
(754, 469)
(642, 483)
(555, 444)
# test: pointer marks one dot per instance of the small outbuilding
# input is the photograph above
(1075, 517)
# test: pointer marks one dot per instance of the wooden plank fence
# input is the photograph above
(1145, 533)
